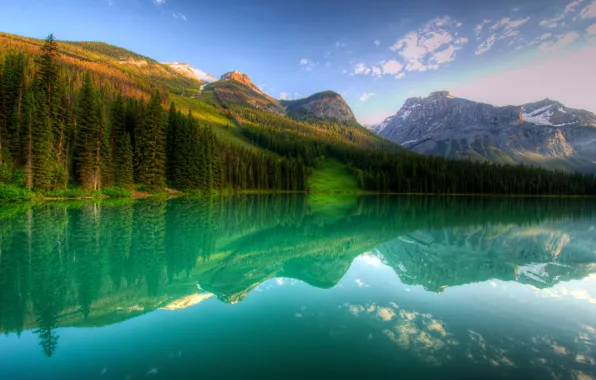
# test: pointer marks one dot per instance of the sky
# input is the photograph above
(375, 53)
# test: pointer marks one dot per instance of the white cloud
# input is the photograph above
(502, 29)
(591, 29)
(506, 23)
(486, 45)
(365, 96)
(400, 76)
(551, 22)
(478, 28)
(377, 42)
(159, 2)
(462, 41)
(555, 21)
(340, 45)
(561, 41)
(392, 67)
(307, 64)
(362, 69)
(424, 49)
(589, 11)
(572, 5)
(376, 70)
(284, 96)
(178, 15)
(445, 56)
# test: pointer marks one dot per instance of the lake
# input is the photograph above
(295, 286)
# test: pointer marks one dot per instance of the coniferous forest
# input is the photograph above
(64, 127)
(61, 128)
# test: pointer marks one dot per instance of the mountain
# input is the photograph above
(545, 133)
(191, 72)
(322, 106)
(236, 88)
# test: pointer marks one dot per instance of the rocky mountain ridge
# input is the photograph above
(327, 105)
(544, 133)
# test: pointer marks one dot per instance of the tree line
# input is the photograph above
(61, 128)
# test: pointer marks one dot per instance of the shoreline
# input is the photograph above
(136, 195)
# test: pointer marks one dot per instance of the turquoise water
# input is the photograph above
(273, 287)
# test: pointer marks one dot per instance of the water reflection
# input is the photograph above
(92, 264)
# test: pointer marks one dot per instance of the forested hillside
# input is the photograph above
(66, 125)
(89, 118)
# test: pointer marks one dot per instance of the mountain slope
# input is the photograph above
(236, 88)
(322, 106)
(544, 133)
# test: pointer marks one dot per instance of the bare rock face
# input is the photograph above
(237, 88)
(326, 106)
(238, 77)
(544, 133)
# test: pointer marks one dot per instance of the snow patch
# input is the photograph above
(183, 68)
(541, 116)
(406, 114)
(536, 272)
(409, 142)
(380, 127)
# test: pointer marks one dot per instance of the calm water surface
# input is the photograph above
(262, 287)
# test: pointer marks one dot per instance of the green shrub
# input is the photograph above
(117, 192)
(14, 193)
(70, 192)
(18, 178)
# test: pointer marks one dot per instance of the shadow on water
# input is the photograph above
(99, 263)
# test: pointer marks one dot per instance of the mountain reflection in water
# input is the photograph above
(95, 264)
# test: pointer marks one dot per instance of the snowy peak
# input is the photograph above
(551, 113)
(191, 72)
(378, 128)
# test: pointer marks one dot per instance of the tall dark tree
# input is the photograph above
(122, 153)
(88, 149)
(151, 145)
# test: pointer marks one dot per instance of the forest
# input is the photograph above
(61, 128)
(66, 131)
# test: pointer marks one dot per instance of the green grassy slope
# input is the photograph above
(332, 176)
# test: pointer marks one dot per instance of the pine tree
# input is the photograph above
(41, 145)
(151, 146)
(123, 167)
(11, 105)
(88, 147)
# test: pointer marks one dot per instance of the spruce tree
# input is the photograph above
(42, 161)
(123, 168)
(151, 146)
(88, 145)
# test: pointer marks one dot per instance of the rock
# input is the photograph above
(325, 106)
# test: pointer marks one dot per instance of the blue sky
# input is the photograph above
(376, 53)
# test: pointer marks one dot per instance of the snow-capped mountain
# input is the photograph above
(191, 72)
(378, 128)
(544, 133)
